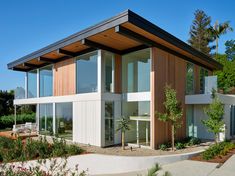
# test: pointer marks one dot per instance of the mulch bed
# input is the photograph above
(217, 159)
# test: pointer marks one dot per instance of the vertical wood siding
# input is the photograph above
(64, 78)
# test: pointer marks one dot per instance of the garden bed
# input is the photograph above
(217, 154)
(27, 149)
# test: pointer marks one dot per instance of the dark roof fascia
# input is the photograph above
(100, 27)
(146, 25)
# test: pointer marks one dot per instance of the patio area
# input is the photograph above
(13, 135)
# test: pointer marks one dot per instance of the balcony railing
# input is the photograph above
(20, 93)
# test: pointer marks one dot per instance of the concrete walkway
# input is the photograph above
(98, 164)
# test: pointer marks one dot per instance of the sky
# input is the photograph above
(28, 25)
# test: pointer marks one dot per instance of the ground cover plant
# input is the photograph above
(219, 149)
(23, 150)
(181, 144)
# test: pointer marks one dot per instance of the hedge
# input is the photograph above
(9, 121)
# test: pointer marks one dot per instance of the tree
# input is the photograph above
(173, 113)
(215, 112)
(226, 77)
(123, 126)
(230, 49)
(199, 38)
(217, 30)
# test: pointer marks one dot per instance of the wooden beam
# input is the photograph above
(99, 46)
(65, 52)
(47, 60)
(30, 65)
(20, 69)
(136, 48)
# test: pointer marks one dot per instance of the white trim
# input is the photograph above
(137, 96)
(59, 99)
(99, 71)
(26, 85)
(54, 118)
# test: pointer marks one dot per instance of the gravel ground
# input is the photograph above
(136, 151)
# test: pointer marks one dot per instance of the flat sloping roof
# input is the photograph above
(120, 34)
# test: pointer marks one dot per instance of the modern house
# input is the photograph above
(82, 84)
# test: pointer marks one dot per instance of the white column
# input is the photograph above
(54, 119)
(37, 117)
(137, 132)
(26, 85)
(99, 72)
(38, 82)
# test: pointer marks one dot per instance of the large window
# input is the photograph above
(109, 123)
(86, 73)
(64, 120)
(45, 76)
(32, 84)
(136, 71)
(203, 73)
(109, 71)
(46, 119)
(190, 79)
(139, 114)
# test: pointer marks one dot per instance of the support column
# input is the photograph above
(137, 132)
(54, 119)
(15, 113)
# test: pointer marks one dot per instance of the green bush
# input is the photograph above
(179, 145)
(217, 149)
(163, 147)
(16, 150)
(9, 121)
(194, 141)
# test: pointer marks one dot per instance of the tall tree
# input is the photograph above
(217, 30)
(173, 113)
(123, 126)
(199, 38)
(230, 49)
(226, 77)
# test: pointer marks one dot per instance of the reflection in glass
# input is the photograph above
(64, 120)
(32, 84)
(45, 76)
(86, 73)
(109, 71)
(136, 71)
(203, 74)
(109, 123)
(190, 79)
(46, 119)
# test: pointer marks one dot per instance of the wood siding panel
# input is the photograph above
(165, 69)
(118, 74)
(64, 78)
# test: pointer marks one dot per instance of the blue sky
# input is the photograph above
(28, 25)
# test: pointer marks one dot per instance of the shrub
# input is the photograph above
(16, 150)
(9, 121)
(179, 145)
(217, 149)
(163, 147)
(194, 141)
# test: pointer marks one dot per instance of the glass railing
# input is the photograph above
(20, 93)
(210, 84)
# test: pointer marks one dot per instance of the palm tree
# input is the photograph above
(217, 30)
(123, 126)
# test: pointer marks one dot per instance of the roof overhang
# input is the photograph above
(121, 34)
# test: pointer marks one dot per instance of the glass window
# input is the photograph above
(64, 120)
(109, 71)
(46, 119)
(203, 73)
(190, 79)
(86, 73)
(136, 71)
(32, 84)
(190, 120)
(45, 81)
(139, 114)
(109, 123)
